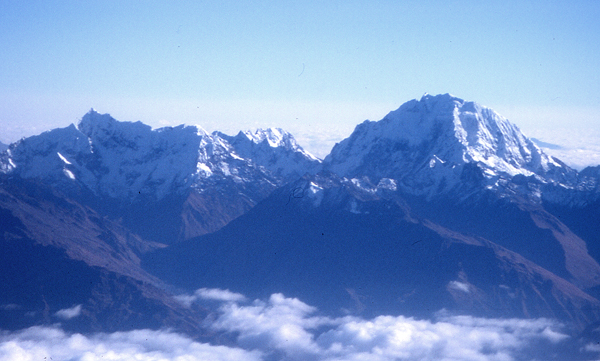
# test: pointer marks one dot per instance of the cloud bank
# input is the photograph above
(290, 327)
(579, 146)
(51, 343)
(283, 328)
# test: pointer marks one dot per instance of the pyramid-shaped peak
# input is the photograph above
(449, 123)
(433, 139)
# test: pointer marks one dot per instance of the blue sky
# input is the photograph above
(315, 68)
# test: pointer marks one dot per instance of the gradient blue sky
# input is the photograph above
(316, 68)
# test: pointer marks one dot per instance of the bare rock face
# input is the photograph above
(348, 244)
(56, 254)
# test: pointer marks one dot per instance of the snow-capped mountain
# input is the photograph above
(441, 144)
(140, 173)
(3, 147)
(126, 160)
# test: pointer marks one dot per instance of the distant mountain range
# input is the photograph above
(442, 204)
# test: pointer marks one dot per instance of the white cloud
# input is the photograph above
(281, 324)
(283, 328)
(469, 338)
(69, 313)
(592, 347)
(289, 326)
(580, 146)
(459, 286)
(219, 295)
(213, 294)
(45, 343)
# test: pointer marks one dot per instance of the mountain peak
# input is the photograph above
(129, 160)
(428, 143)
(440, 98)
(93, 117)
(276, 150)
(93, 123)
(276, 137)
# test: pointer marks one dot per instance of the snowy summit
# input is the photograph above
(125, 159)
(441, 142)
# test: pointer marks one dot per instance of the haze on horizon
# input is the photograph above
(313, 69)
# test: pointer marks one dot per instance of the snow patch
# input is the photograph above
(362, 185)
(63, 158)
(235, 156)
(387, 183)
(69, 174)
(204, 170)
(315, 192)
(434, 160)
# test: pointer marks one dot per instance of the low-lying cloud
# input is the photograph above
(283, 328)
(578, 146)
(292, 328)
(52, 343)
